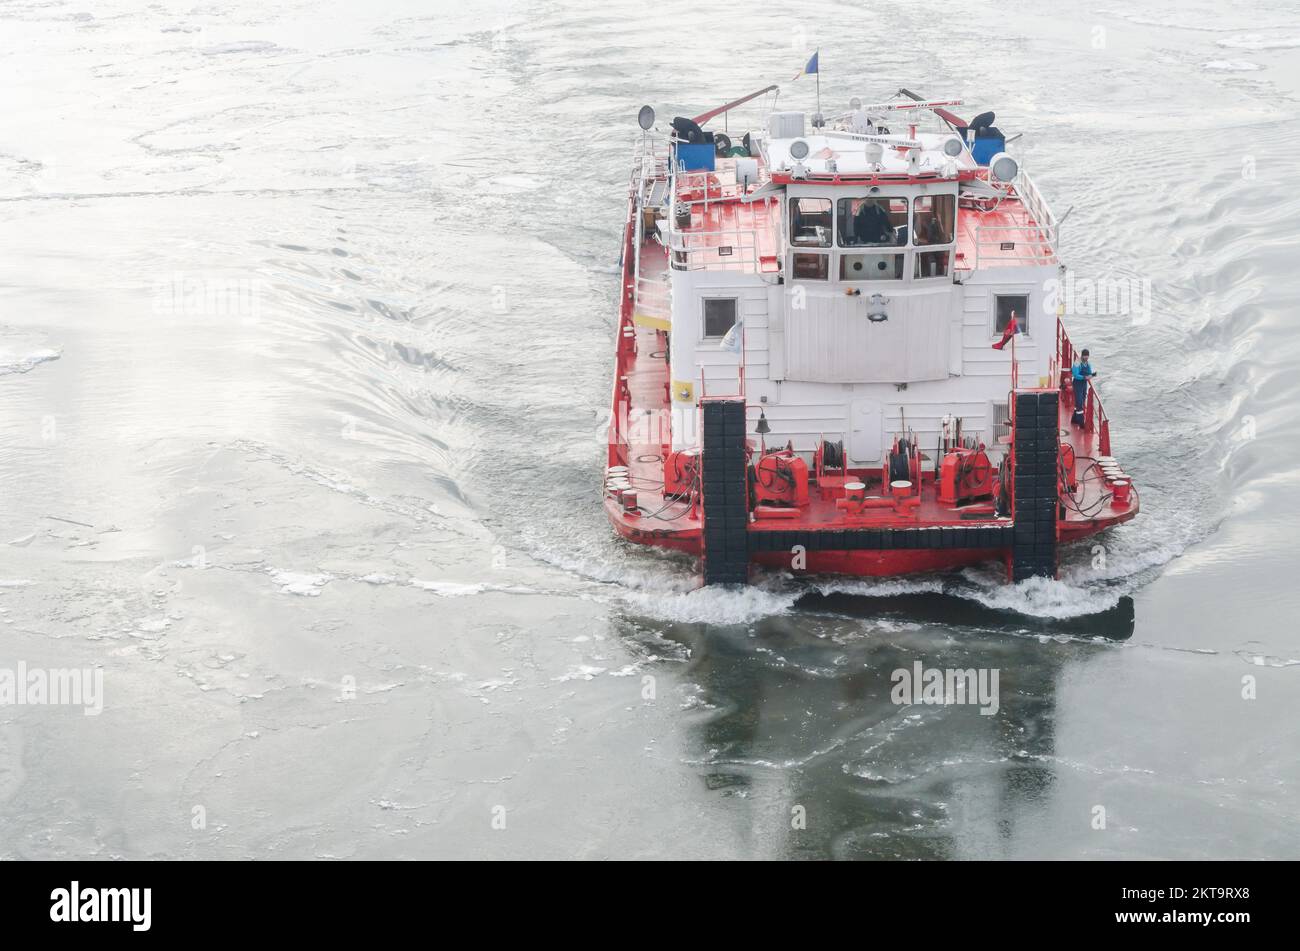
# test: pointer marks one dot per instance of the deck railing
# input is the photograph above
(1037, 207)
(649, 163)
(1035, 241)
(728, 249)
(1095, 419)
(650, 168)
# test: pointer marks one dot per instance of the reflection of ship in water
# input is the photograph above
(798, 711)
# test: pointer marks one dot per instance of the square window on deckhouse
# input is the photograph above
(1004, 304)
(810, 222)
(932, 264)
(810, 266)
(933, 217)
(719, 316)
(873, 222)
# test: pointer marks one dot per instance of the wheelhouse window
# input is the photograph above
(873, 222)
(810, 222)
(871, 267)
(810, 266)
(719, 316)
(933, 219)
(1004, 305)
(932, 263)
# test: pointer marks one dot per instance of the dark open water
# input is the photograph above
(305, 315)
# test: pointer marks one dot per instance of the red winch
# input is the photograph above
(902, 475)
(781, 478)
(681, 473)
(1068, 481)
(965, 474)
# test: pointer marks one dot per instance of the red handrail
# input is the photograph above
(1094, 415)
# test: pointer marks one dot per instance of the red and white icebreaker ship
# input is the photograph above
(839, 350)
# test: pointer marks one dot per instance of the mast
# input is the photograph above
(818, 74)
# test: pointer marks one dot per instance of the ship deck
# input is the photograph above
(1004, 235)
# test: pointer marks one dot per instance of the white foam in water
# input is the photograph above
(1231, 66)
(460, 589)
(449, 589)
(581, 672)
(1130, 567)
(11, 362)
(880, 587)
(1077, 594)
(1260, 42)
(647, 567)
(712, 605)
(1044, 598)
(306, 585)
(664, 585)
(668, 588)
(241, 46)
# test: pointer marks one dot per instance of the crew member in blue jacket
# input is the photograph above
(1083, 371)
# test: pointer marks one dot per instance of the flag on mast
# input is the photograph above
(813, 68)
(732, 341)
(810, 68)
(1013, 328)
